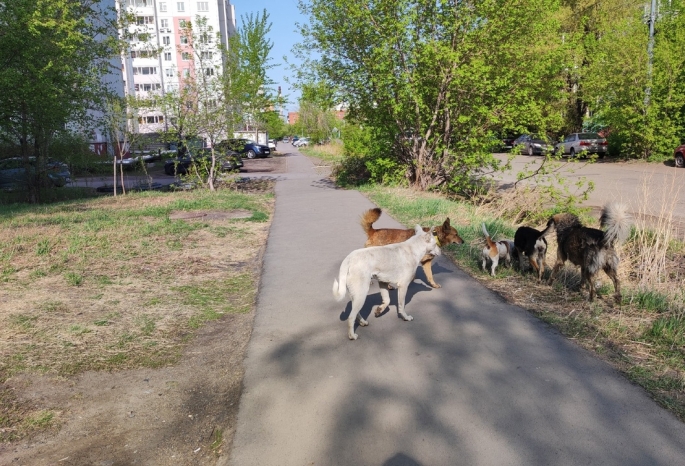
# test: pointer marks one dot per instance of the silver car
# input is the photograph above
(587, 143)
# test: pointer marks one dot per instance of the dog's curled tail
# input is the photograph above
(488, 239)
(368, 218)
(340, 283)
(485, 232)
(616, 222)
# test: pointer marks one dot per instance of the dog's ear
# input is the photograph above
(418, 230)
(446, 224)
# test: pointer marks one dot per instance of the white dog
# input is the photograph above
(497, 250)
(391, 264)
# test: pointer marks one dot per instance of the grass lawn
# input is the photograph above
(114, 283)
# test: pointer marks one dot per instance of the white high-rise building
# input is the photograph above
(159, 25)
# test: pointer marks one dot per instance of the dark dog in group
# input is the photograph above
(530, 242)
(590, 248)
(444, 234)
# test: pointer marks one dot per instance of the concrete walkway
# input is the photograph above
(471, 381)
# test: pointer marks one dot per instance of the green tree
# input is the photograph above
(250, 80)
(275, 125)
(53, 54)
(197, 108)
(316, 108)
(618, 78)
(436, 79)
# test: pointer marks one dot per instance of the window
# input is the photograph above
(162, 6)
(186, 72)
(144, 70)
(140, 2)
(202, 6)
(167, 56)
(144, 37)
(164, 23)
(185, 56)
(140, 20)
(206, 55)
(180, 6)
(184, 40)
(143, 54)
(148, 87)
(169, 72)
(154, 119)
(166, 40)
(209, 71)
(205, 38)
(182, 23)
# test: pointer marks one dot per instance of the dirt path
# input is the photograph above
(171, 415)
(184, 414)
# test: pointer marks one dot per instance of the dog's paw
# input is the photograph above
(363, 322)
(435, 285)
(408, 318)
(353, 336)
(378, 311)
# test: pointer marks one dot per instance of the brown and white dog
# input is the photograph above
(444, 234)
(496, 250)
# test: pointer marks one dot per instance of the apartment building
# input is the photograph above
(159, 55)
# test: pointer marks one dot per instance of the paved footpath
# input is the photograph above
(471, 381)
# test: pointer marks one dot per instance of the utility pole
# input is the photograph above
(650, 53)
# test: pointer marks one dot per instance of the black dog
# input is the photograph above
(530, 242)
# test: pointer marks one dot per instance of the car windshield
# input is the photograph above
(589, 136)
(539, 137)
(250, 141)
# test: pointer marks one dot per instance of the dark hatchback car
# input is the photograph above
(533, 144)
(226, 161)
(506, 141)
(14, 173)
(245, 147)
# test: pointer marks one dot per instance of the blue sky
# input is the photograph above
(283, 14)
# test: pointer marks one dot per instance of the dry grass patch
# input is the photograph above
(115, 283)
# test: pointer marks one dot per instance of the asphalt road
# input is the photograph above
(471, 381)
(648, 188)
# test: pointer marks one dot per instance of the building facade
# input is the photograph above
(160, 56)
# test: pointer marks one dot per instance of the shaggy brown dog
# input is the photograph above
(529, 242)
(590, 248)
(445, 234)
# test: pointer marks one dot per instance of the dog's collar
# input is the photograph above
(437, 240)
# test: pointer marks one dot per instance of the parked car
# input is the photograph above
(506, 141)
(14, 175)
(590, 143)
(301, 142)
(679, 156)
(226, 161)
(532, 144)
(272, 144)
(245, 147)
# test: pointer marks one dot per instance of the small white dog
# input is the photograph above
(391, 264)
(495, 251)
